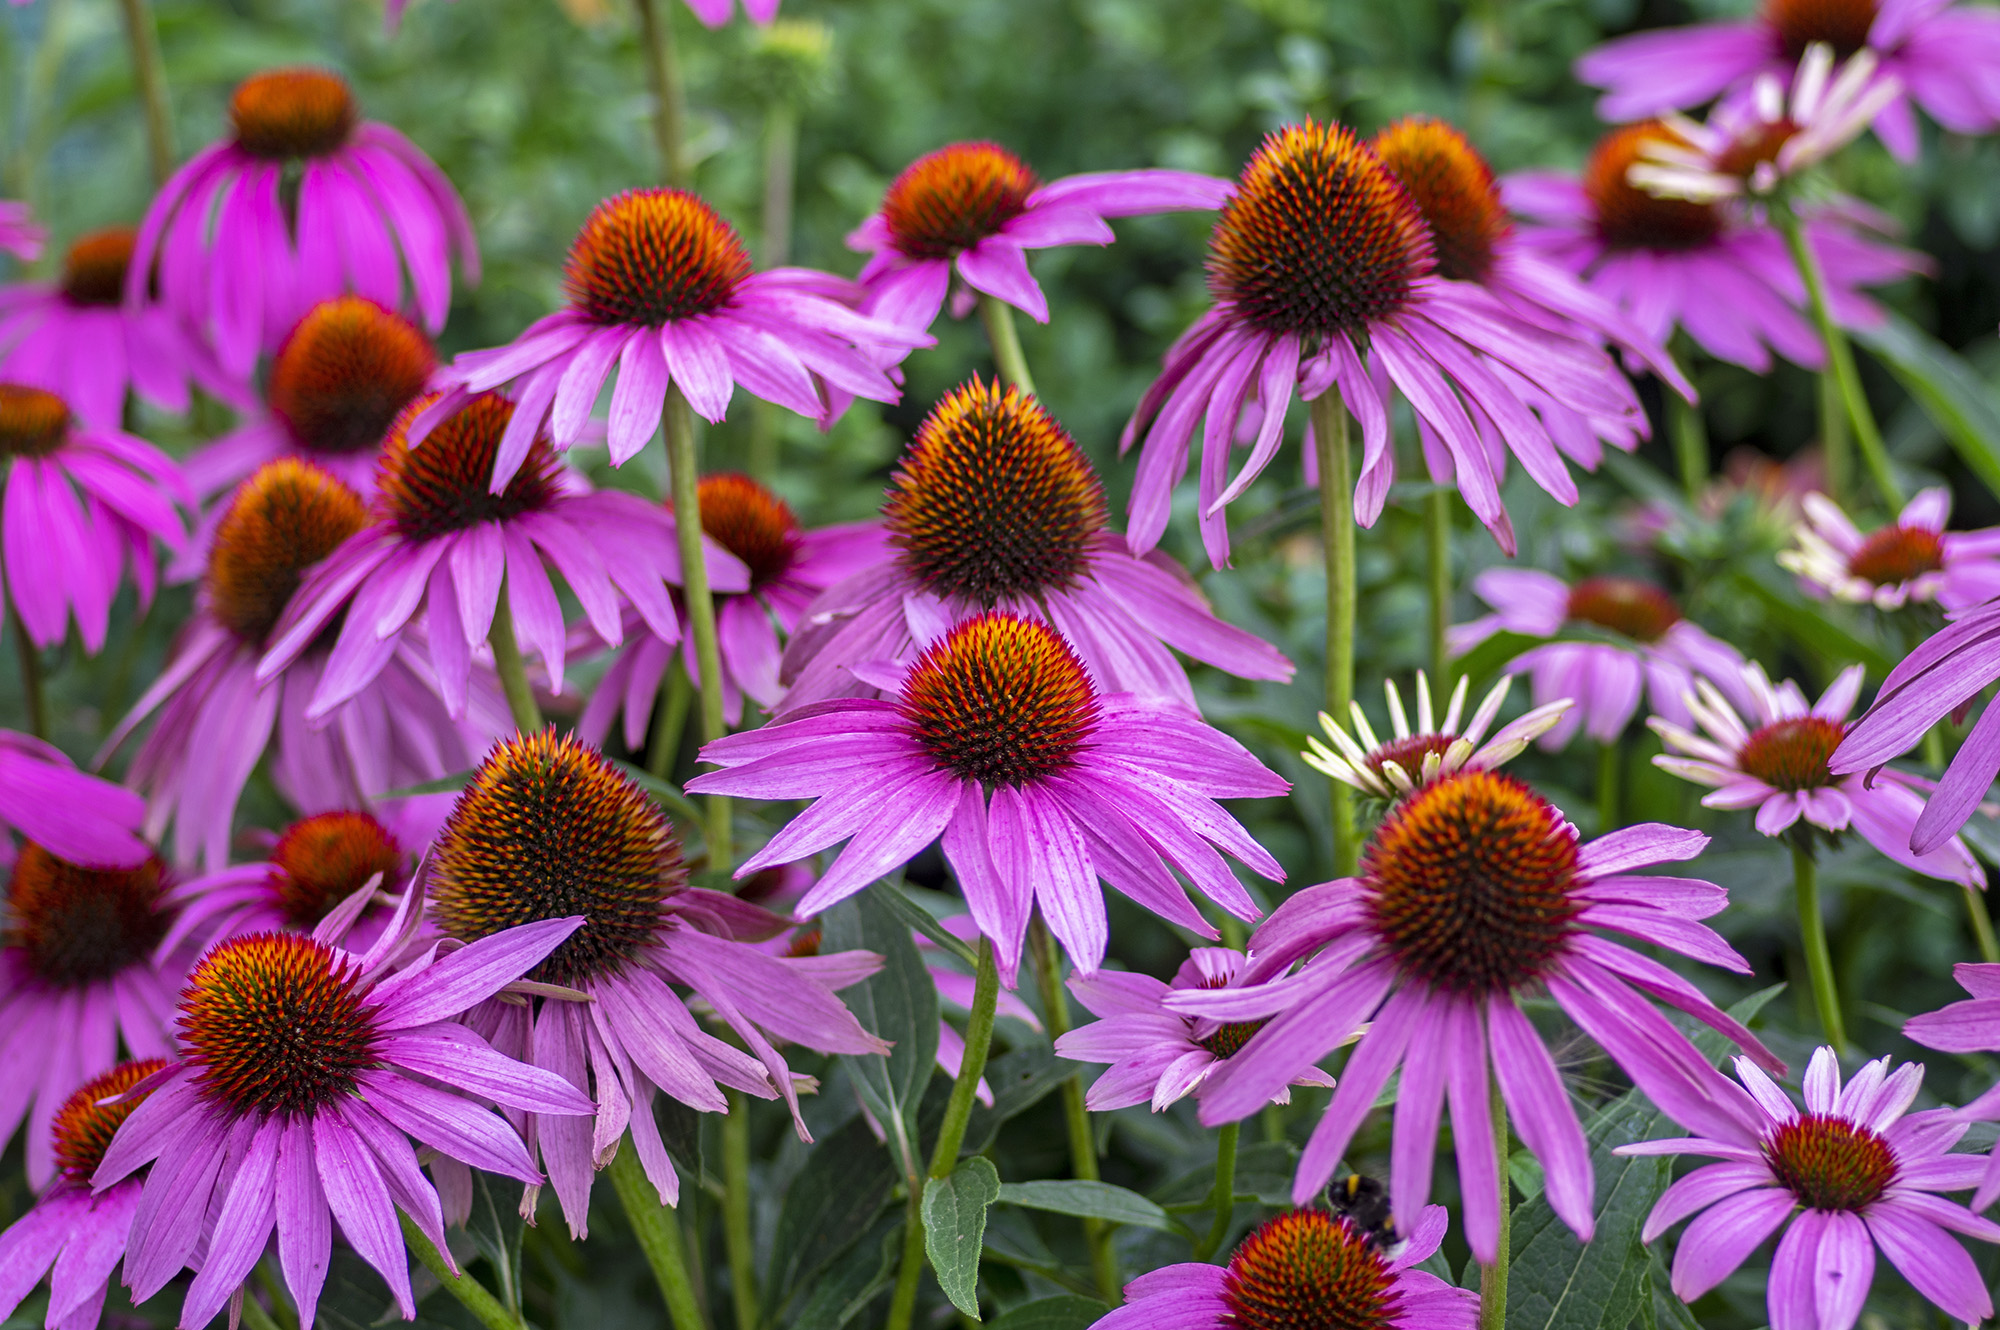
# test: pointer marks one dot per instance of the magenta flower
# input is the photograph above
(1912, 560)
(661, 286)
(80, 502)
(1304, 1267)
(1855, 1172)
(1409, 758)
(1038, 783)
(994, 506)
(1320, 251)
(1969, 1027)
(1652, 647)
(19, 235)
(717, 13)
(547, 826)
(80, 818)
(1474, 893)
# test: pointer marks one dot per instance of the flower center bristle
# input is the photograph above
(1306, 1270)
(650, 256)
(1627, 216)
(993, 499)
(1639, 610)
(93, 271)
(274, 1023)
(1841, 24)
(548, 829)
(750, 522)
(1320, 236)
(287, 113)
(83, 1126)
(1228, 1041)
(322, 860)
(1468, 882)
(1001, 700)
(947, 201)
(281, 521)
(1830, 1163)
(75, 925)
(33, 422)
(1898, 554)
(344, 374)
(1453, 187)
(1409, 754)
(1793, 754)
(444, 484)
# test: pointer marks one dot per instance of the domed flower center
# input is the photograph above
(1830, 1163)
(1898, 554)
(1627, 216)
(548, 829)
(750, 522)
(1320, 236)
(75, 925)
(993, 499)
(1468, 883)
(1793, 754)
(1744, 155)
(1001, 700)
(274, 1023)
(444, 484)
(286, 113)
(33, 423)
(1639, 610)
(344, 374)
(650, 256)
(322, 860)
(1453, 187)
(1841, 24)
(1228, 1041)
(1306, 1270)
(93, 271)
(84, 1125)
(282, 520)
(947, 201)
(806, 943)
(1409, 754)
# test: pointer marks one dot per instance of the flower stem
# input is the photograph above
(736, 1209)
(659, 1232)
(471, 1294)
(676, 696)
(31, 676)
(1982, 924)
(513, 672)
(254, 1314)
(1082, 1140)
(998, 317)
(150, 73)
(1336, 515)
(1690, 444)
(1223, 1197)
(1819, 961)
(1437, 529)
(1493, 1278)
(663, 71)
(1610, 758)
(700, 605)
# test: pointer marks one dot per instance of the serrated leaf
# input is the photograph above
(955, 1228)
(1067, 1312)
(1091, 1200)
(846, 1181)
(1962, 406)
(899, 1003)
(1669, 1312)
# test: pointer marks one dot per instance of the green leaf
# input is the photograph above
(1485, 661)
(496, 1228)
(1091, 1200)
(899, 1003)
(1810, 627)
(1067, 1312)
(845, 1183)
(1019, 1080)
(891, 897)
(847, 1289)
(1962, 405)
(1669, 1312)
(955, 1228)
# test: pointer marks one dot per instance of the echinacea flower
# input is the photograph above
(1319, 253)
(82, 818)
(1776, 763)
(548, 828)
(1474, 894)
(19, 235)
(661, 287)
(1038, 783)
(975, 209)
(80, 502)
(1942, 54)
(74, 1235)
(310, 1077)
(1854, 1173)
(241, 257)
(1304, 1267)
(1390, 770)
(993, 505)
(1912, 560)
(1971, 1026)
(1636, 638)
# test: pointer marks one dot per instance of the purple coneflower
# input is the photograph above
(995, 506)
(1304, 1267)
(1856, 1171)
(80, 502)
(1474, 893)
(19, 234)
(79, 817)
(1039, 784)
(1389, 770)
(1971, 1026)
(1912, 560)
(548, 828)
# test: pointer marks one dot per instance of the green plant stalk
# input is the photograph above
(31, 676)
(663, 71)
(149, 72)
(1437, 530)
(254, 1314)
(998, 316)
(1836, 445)
(659, 1232)
(700, 605)
(274, 1288)
(1493, 1278)
(1982, 924)
(1819, 961)
(508, 665)
(1336, 514)
(1610, 761)
(471, 1294)
(736, 1209)
(1690, 444)
(676, 698)
(1223, 1197)
(1076, 1118)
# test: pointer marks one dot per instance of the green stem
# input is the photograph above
(1223, 1197)
(700, 605)
(998, 317)
(676, 696)
(663, 71)
(471, 1294)
(274, 1289)
(1610, 760)
(254, 1314)
(1819, 961)
(31, 676)
(659, 1232)
(1437, 529)
(1336, 515)
(736, 1209)
(1982, 924)
(1076, 1117)
(1690, 433)
(150, 73)
(1493, 1278)
(513, 672)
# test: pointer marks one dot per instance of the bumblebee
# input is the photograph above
(1364, 1203)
